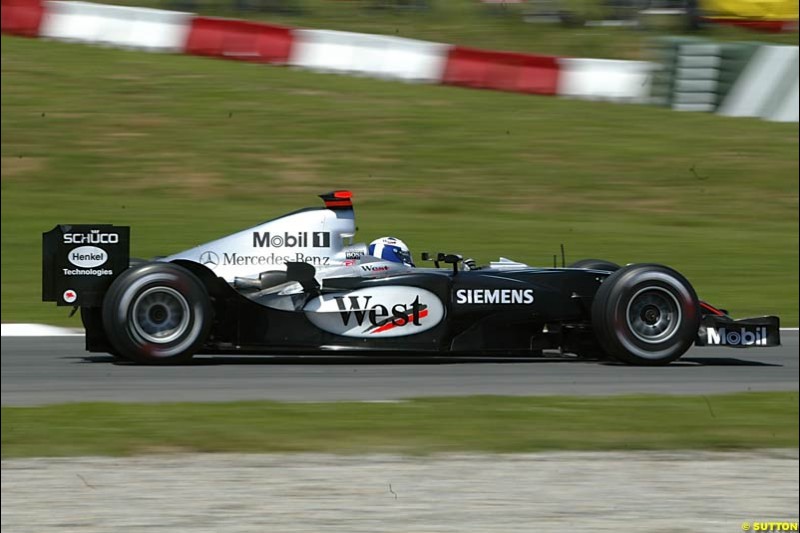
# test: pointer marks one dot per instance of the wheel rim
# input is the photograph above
(160, 315)
(653, 315)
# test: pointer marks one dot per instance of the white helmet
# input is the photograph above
(391, 249)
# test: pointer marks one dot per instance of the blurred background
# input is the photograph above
(658, 131)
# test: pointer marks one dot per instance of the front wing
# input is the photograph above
(745, 333)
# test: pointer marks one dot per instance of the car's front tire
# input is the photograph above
(645, 315)
(157, 313)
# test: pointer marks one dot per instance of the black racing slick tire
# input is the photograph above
(645, 314)
(157, 313)
(595, 264)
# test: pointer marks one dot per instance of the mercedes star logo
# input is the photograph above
(209, 259)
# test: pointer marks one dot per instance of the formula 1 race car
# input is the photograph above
(298, 285)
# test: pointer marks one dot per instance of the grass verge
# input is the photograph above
(187, 149)
(421, 426)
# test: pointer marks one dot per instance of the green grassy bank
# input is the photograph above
(479, 424)
(187, 149)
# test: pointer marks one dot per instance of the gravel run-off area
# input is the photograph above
(620, 492)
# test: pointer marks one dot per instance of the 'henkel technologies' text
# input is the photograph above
(87, 272)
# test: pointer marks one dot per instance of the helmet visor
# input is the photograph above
(404, 256)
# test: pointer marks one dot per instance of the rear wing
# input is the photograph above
(79, 262)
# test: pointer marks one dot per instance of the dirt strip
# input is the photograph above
(614, 492)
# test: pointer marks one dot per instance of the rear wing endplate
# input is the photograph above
(79, 262)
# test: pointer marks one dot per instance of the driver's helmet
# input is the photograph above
(391, 249)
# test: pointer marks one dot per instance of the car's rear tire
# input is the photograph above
(157, 313)
(645, 315)
(596, 264)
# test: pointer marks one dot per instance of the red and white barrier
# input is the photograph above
(358, 54)
(505, 71)
(605, 79)
(154, 30)
(362, 54)
(238, 39)
(22, 17)
(767, 88)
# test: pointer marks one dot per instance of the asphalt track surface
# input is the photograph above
(47, 370)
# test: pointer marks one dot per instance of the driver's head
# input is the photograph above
(391, 249)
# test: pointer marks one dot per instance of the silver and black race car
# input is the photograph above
(297, 285)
